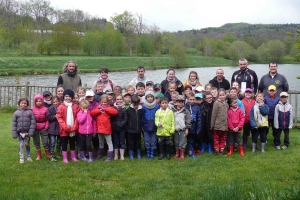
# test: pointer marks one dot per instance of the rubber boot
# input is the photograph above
(91, 157)
(161, 152)
(95, 151)
(192, 155)
(121, 154)
(47, 153)
(182, 154)
(241, 151)
(253, 147)
(203, 147)
(148, 153)
(139, 154)
(116, 154)
(230, 150)
(209, 148)
(177, 154)
(131, 155)
(82, 156)
(109, 156)
(73, 155)
(65, 156)
(100, 151)
(263, 147)
(152, 153)
(39, 155)
(168, 152)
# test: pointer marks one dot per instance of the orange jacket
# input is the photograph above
(103, 119)
(61, 116)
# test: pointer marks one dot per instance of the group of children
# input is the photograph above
(199, 120)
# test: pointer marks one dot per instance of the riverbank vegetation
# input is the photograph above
(273, 175)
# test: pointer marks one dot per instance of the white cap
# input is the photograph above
(199, 88)
(89, 93)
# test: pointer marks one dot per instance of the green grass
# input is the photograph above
(91, 64)
(273, 175)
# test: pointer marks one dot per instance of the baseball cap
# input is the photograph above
(272, 87)
(284, 94)
(199, 95)
(109, 92)
(157, 86)
(159, 95)
(180, 98)
(46, 93)
(199, 88)
(248, 90)
(89, 93)
(149, 83)
(127, 94)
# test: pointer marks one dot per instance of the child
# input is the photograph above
(134, 126)
(158, 97)
(59, 92)
(99, 91)
(23, 127)
(182, 125)
(236, 120)
(110, 95)
(248, 103)
(103, 114)
(271, 100)
(208, 87)
(187, 90)
(76, 99)
(86, 129)
(68, 123)
(240, 94)
(149, 108)
(130, 90)
(199, 99)
(118, 123)
(283, 121)
(214, 93)
(171, 87)
(140, 91)
(53, 130)
(157, 88)
(233, 94)
(149, 85)
(197, 145)
(219, 122)
(259, 122)
(117, 90)
(172, 103)
(127, 100)
(80, 91)
(164, 120)
(42, 125)
(195, 123)
(47, 98)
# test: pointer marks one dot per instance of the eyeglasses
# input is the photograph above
(283, 97)
(208, 98)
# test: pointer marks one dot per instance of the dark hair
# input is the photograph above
(104, 69)
(207, 93)
(232, 88)
(65, 67)
(140, 67)
(171, 69)
(140, 84)
(118, 87)
(135, 99)
(118, 95)
(23, 99)
(273, 62)
(230, 100)
(55, 97)
(164, 99)
(59, 86)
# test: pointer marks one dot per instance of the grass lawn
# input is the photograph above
(91, 64)
(273, 175)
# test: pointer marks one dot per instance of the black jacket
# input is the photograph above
(119, 121)
(53, 124)
(249, 76)
(206, 111)
(224, 84)
(164, 86)
(134, 122)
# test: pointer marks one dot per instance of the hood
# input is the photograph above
(38, 96)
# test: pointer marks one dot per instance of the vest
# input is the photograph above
(70, 82)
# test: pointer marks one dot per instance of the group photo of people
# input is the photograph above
(171, 119)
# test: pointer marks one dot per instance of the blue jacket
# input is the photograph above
(283, 117)
(271, 102)
(259, 116)
(195, 118)
(148, 118)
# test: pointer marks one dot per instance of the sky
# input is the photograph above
(176, 15)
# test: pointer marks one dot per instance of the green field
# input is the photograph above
(273, 175)
(89, 64)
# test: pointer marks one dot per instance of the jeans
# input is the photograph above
(119, 139)
(150, 139)
(24, 141)
(85, 142)
(36, 139)
(55, 139)
(64, 143)
(191, 140)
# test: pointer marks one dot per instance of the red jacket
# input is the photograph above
(248, 106)
(40, 114)
(103, 119)
(61, 116)
(235, 119)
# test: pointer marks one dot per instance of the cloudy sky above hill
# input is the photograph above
(174, 15)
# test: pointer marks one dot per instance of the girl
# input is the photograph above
(42, 125)
(23, 126)
(103, 114)
(193, 80)
(54, 129)
(117, 90)
(80, 91)
(130, 90)
(86, 128)
(236, 120)
(207, 87)
(68, 124)
(171, 78)
(219, 122)
(171, 87)
(119, 126)
(59, 92)
(240, 93)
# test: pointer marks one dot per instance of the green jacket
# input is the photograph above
(165, 117)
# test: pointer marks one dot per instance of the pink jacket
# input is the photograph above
(87, 125)
(40, 114)
(235, 119)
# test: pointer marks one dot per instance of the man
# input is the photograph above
(140, 78)
(69, 79)
(246, 77)
(273, 78)
(107, 83)
(219, 80)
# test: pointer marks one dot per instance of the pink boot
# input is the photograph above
(65, 156)
(73, 156)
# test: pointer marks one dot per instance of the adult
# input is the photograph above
(219, 81)
(246, 77)
(193, 80)
(273, 78)
(103, 78)
(70, 79)
(171, 78)
(140, 77)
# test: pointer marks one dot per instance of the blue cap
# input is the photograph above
(199, 95)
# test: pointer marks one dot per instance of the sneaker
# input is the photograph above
(216, 152)
(284, 147)
(29, 159)
(278, 147)
(21, 160)
(53, 159)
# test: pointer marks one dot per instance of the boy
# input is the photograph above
(157, 88)
(127, 100)
(187, 90)
(149, 84)
(140, 91)
(195, 123)
(164, 120)
(214, 93)
(199, 99)
(259, 122)
(182, 125)
(158, 97)
(172, 103)
(283, 121)
(99, 91)
(271, 100)
(117, 90)
(47, 98)
(233, 94)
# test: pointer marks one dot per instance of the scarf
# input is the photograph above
(149, 105)
(193, 84)
(70, 117)
(172, 81)
(104, 81)
(119, 107)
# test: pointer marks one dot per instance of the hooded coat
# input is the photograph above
(40, 114)
(149, 110)
(219, 116)
(103, 119)
(23, 122)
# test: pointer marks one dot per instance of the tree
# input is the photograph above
(177, 52)
(273, 50)
(209, 46)
(239, 49)
(5, 39)
(168, 41)
(156, 37)
(145, 45)
(111, 41)
(88, 42)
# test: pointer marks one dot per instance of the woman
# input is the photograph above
(108, 84)
(193, 80)
(171, 78)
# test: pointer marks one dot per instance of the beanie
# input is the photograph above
(68, 92)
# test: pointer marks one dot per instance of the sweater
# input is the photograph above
(40, 114)
(195, 117)
(283, 117)
(236, 118)
(53, 123)
(182, 118)
(23, 122)
(165, 117)
(219, 116)
(69, 81)
(103, 119)
(271, 102)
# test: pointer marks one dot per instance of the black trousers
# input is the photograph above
(134, 141)
(261, 132)
(85, 142)
(65, 141)
(286, 141)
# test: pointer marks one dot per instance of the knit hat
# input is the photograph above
(149, 92)
(180, 98)
(159, 95)
(69, 92)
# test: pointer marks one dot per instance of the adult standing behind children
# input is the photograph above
(108, 84)
(219, 81)
(273, 78)
(193, 80)
(140, 77)
(171, 78)
(70, 79)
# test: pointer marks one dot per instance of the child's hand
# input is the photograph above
(186, 132)
(85, 110)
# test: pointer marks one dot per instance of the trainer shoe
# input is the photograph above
(29, 159)
(21, 160)
(53, 159)
(278, 147)
(284, 147)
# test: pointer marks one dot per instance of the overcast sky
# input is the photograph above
(174, 15)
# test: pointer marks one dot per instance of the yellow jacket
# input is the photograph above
(166, 118)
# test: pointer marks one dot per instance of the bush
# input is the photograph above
(8, 109)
